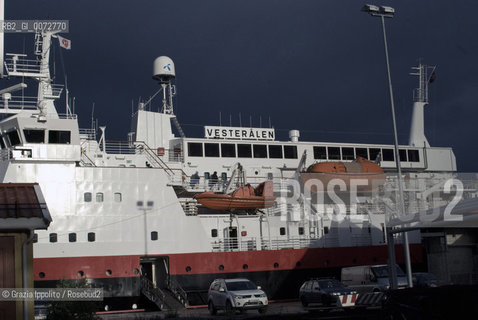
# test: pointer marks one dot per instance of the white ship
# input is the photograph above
(124, 213)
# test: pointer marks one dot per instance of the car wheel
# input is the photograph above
(262, 310)
(229, 310)
(304, 302)
(211, 308)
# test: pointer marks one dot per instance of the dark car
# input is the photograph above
(424, 280)
(326, 293)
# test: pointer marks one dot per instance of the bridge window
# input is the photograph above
(361, 152)
(275, 152)
(244, 151)
(388, 155)
(375, 153)
(34, 136)
(413, 156)
(211, 149)
(290, 152)
(58, 136)
(403, 155)
(334, 153)
(348, 154)
(228, 150)
(260, 150)
(13, 138)
(194, 149)
(320, 153)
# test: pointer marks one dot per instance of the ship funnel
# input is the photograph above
(163, 69)
(425, 75)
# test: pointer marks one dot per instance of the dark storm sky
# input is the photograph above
(312, 65)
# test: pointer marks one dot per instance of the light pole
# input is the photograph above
(388, 12)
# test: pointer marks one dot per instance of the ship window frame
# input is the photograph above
(59, 136)
(34, 135)
(99, 197)
(346, 155)
(211, 150)
(154, 235)
(91, 237)
(258, 153)
(333, 153)
(413, 155)
(388, 154)
(53, 237)
(87, 197)
(402, 153)
(275, 151)
(361, 154)
(214, 233)
(290, 152)
(118, 197)
(225, 153)
(13, 138)
(72, 237)
(318, 152)
(195, 152)
(377, 152)
(244, 150)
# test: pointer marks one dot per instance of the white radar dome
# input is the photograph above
(163, 69)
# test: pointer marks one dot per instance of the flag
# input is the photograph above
(64, 43)
(432, 77)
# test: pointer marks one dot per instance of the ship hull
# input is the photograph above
(279, 272)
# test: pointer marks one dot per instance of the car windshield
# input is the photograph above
(330, 284)
(240, 285)
(382, 271)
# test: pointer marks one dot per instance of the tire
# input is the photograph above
(304, 302)
(262, 310)
(229, 309)
(211, 308)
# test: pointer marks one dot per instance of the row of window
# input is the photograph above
(351, 153)
(12, 138)
(91, 237)
(241, 150)
(99, 197)
(282, 232)
(244, 150)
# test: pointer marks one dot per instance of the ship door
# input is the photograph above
(156, 269)
(230, 234)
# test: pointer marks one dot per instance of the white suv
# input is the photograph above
(235, 294)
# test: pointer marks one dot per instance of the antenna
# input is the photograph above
(2, 18)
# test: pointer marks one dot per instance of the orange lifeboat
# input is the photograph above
(244, 198)
(368, 175)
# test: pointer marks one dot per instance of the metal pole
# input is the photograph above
(397, 162)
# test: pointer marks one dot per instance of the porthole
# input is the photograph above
(41, 275)
(245, 266)
(276, 265)
(135, 271)
(221, 267)
(188, 269)
(80, 273)
(108, 272)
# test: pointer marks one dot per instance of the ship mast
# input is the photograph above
(420, 98)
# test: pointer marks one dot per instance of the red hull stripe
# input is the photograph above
(220, 262)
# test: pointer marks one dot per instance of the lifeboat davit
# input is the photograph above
(244, 198)
(366, 175)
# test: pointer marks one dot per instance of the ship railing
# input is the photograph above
(88, 134)
(153, 293)
(178, 292)
(16, 64)
(53, 92)
(5, 154)
(20, 103)
(189, 206)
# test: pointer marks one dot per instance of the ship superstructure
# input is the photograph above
(124, 213)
